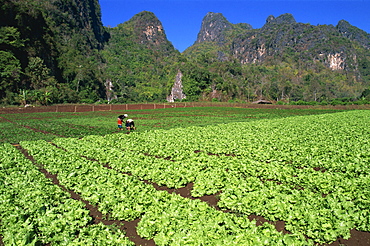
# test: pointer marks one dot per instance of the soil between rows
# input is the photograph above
(358, 238)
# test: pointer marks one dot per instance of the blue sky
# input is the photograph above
(182, 19)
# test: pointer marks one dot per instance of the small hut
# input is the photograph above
(261, 101)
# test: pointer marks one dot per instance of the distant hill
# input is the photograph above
(140, 60)
(59, 52)
(289, 60)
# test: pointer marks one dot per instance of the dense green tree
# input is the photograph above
(10, 70)
(10, 66)
(38, 73)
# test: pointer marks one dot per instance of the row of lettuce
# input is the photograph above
(169, 219)
(309, 171)
(34, 211)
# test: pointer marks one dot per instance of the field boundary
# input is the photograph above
(124, 107)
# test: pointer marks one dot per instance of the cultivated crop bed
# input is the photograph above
(306, 177)
(18, 127)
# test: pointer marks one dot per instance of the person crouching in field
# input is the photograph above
(120, 120)
(130, 125)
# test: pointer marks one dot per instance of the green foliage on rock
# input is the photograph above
(60, 52)
(140, 60)
(286, 60)
(59, 38)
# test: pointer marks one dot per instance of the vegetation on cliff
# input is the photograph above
(59, 52)
(50, 51)
(286, 60)
(139, 60)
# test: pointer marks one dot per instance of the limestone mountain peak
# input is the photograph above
(282, 19)
(148, 30)
(354, 33)
(213, 27)
(148, 25)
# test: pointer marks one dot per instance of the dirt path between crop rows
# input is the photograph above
(97, 217)
(357, 238)
(31, 128)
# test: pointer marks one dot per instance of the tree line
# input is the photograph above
(59, 52)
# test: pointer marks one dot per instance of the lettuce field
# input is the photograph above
(189, 176)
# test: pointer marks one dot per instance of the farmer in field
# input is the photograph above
(120, 120)
(122, 116)
(130, 125)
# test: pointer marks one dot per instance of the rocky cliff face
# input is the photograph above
(282, 19)
(354, 33)
(176, 91)
(148, 30)
(82, 15)
(282, 60)
(53, 28)
(215, 28)
(64, 36)
(139, 58)
(333, 46)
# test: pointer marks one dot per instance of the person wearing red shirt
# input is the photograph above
(120, 120)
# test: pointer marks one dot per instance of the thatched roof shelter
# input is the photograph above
(261, 101)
